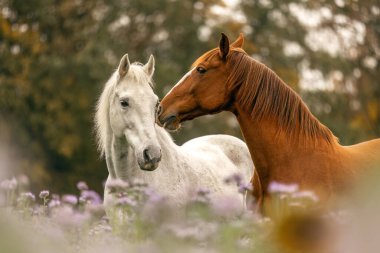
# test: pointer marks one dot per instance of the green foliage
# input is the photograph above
(55, 60)
(355, 103)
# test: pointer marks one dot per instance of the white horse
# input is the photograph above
(135, 147)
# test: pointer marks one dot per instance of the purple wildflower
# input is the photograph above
(54, 203)
(153, 196)
(9, 184)
(68, 217)
(125, 201)
(28, 196)
(70, 199)
(117, 185)
(156, 198)
(91, 197)
(44, 194)
(306, 195)
(275, 187)
(243, 188)
(82, 186)
(234, 178)
(199, 231)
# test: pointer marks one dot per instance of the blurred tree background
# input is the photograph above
(57, 55)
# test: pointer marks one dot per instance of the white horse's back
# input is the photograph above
(220, 157)
(232, 150)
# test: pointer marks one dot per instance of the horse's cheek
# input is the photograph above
(116, 123)
(213, 101)
(186, 103)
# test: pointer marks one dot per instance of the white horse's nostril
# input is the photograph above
(152, 154)
(147, 157)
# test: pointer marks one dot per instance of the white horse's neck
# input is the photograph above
(123, 158)
(125, 163)
(168, 147)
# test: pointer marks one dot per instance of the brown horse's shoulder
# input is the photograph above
(353, 163)
(364, 155)
(371, 146)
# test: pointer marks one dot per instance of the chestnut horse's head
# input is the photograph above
(203, 90)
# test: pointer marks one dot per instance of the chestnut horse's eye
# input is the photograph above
(201, 70)
(124, 103)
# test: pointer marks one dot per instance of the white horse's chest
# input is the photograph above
(183, 171)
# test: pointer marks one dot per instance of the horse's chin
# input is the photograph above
(148, 166)
(172, 126)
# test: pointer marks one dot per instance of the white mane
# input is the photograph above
(102, 121)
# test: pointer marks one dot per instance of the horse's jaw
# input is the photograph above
(122, 157)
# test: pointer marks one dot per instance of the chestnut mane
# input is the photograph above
(262, 93)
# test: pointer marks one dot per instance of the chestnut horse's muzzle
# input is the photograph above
(170, 122)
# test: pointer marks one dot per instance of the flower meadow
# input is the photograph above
(141, 220)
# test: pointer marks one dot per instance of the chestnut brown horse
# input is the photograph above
(287, 143)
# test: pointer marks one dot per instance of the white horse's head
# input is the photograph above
(132, 109)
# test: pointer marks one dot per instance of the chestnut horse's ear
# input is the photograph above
(124, 66)
(239, 41)
(224, 46)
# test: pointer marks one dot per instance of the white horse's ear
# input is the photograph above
(124, 66)
(149, 66)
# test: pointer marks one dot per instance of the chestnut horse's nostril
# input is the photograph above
(166, 120)
(169, 120)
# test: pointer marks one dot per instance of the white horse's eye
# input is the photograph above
(124, 103)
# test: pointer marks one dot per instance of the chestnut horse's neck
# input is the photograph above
(276, 124)
(263, 95)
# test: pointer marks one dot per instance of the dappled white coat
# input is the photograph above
(201, 163)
